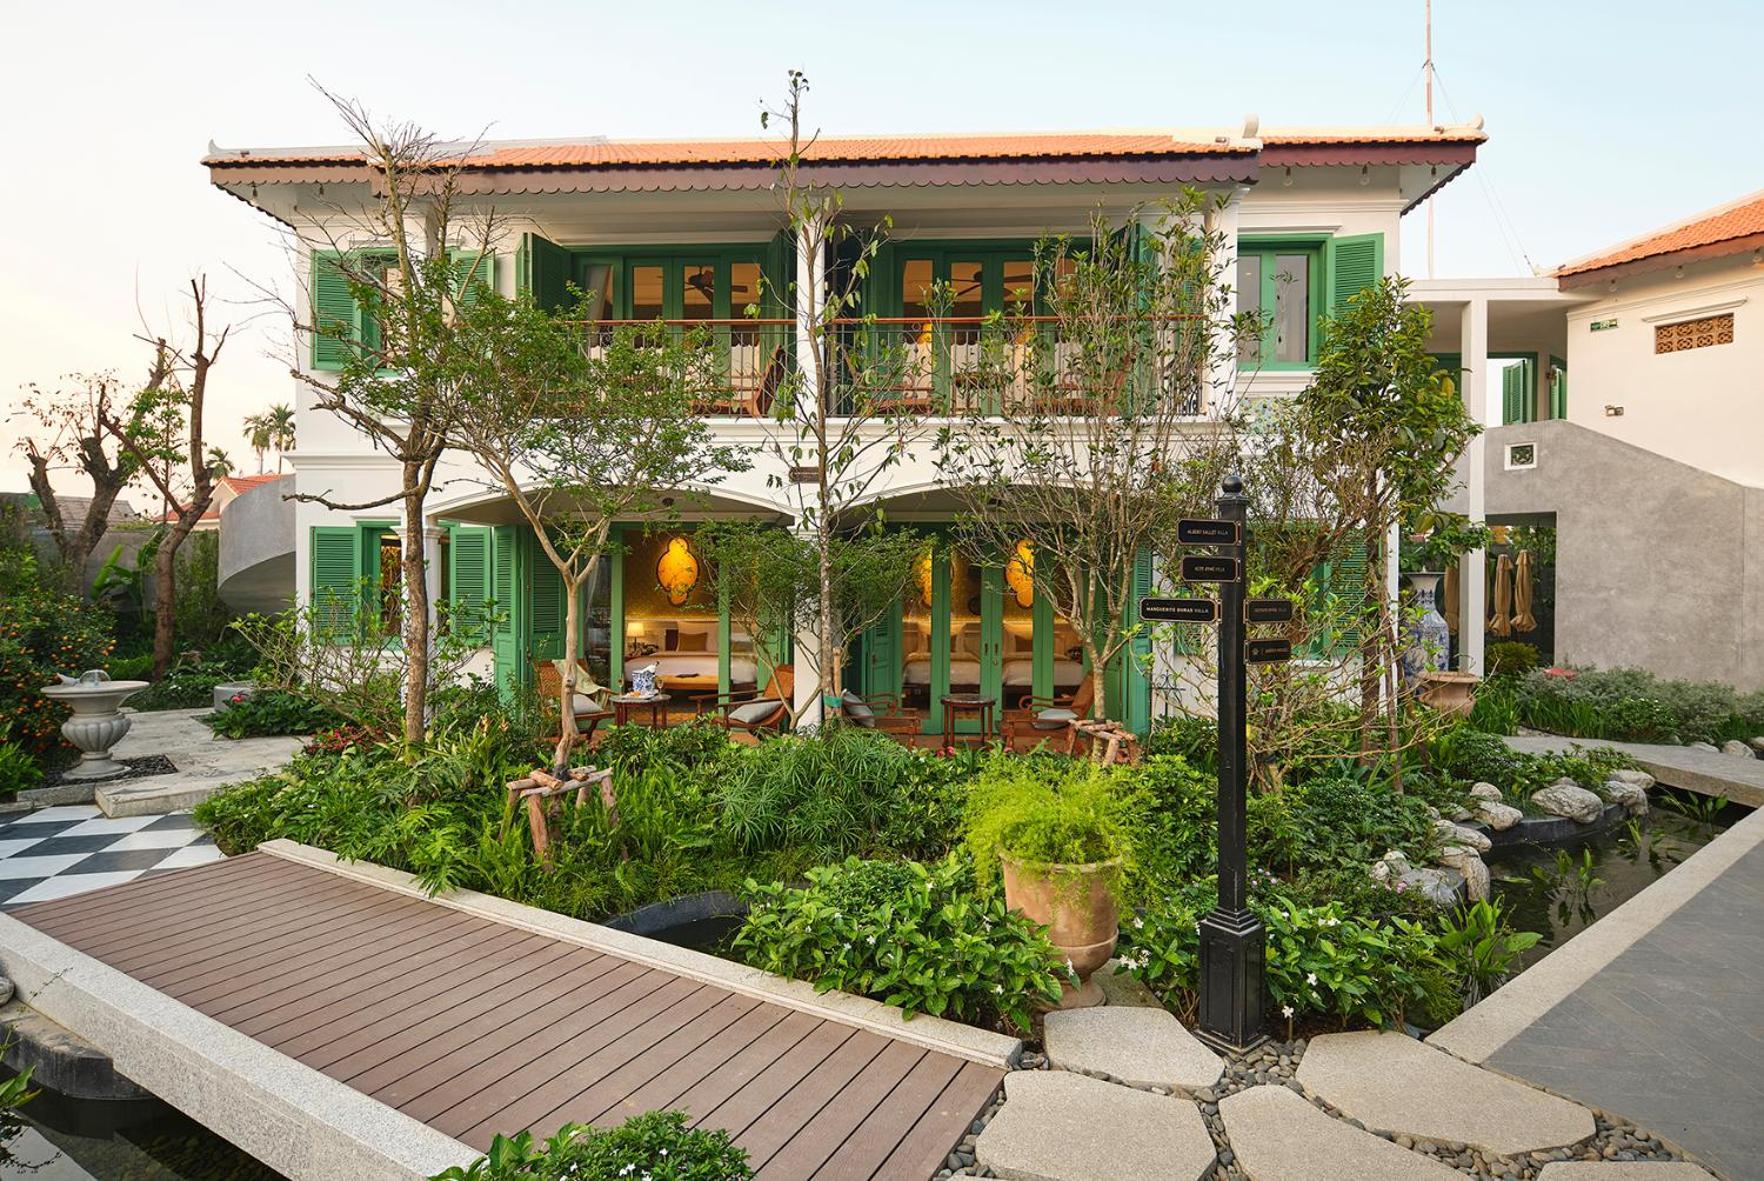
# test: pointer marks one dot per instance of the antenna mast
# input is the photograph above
(1427, 70)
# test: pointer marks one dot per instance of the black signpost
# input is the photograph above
(1233, 945)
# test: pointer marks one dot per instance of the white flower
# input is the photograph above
(1311, 978)
(1286, 1011)
(664, 1152)
(1070, 970)
(1138, 924)
(870, 939)
(998, 988)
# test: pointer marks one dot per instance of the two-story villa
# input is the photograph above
(688, 231)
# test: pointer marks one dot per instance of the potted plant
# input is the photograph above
(1060, 845)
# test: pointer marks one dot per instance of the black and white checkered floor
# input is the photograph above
(55, 852)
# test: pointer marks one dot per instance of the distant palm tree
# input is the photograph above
(219, 463)
(281, 428)
(261, 433)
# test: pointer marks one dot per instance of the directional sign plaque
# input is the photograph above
(1179, 610)
(1190, 531)
(1205, 568)
(1268, 611)
(1267, 651)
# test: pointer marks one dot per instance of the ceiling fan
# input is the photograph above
(703, 282)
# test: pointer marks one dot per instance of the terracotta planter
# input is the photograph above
(1076, 903)
(1452, 694)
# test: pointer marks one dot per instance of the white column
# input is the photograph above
(1473, 567)
(432, 535)
(811, 275)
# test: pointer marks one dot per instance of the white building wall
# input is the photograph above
(1705, 406)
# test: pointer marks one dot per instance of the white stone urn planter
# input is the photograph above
(98, 722)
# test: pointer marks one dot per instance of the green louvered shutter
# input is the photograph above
(333, 309)
(505, 639)
(1355, 263)
(1558, 388)
(1136, 680)
(472, 274)
(468, 555)
(543, 268)
(1512, 394)
(882, 654)
(1346, 578)
(545, 614)
(336, 580)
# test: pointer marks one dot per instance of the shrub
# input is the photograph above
(657, 1145)
(1044, 811)
(627, 748)
(18, 770)
(43, 631)
(188, 684)
(1632, 704)
(271, 712)
(1511, 656)
(913, 935)
(830, 793)
(1194, 739)
(1479, 948)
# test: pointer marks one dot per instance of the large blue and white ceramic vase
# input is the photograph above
(1430, 640)
(643, 681)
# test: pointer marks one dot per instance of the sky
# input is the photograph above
(1605, 119)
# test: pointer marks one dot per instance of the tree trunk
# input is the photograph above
(566, 697)
(416, 609)
(165, 600)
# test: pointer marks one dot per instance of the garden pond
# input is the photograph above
(55, 1137)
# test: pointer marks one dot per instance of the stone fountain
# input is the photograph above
(98, 722)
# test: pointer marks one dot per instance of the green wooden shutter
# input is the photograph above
(505, 640)
(881, 664)
(333, 309)
(1558, 388)
(1354, 264)
(545, 619)
(473, 272)
(1512, 394)
(543, 268)
(1136, 673)
(336, 580)
(1344, 576)
(468, 556)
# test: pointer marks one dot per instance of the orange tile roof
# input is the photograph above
(1741, 219)
(237, 484)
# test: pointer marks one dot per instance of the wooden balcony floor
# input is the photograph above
(475, 1027)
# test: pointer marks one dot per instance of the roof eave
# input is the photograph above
(1725, 248)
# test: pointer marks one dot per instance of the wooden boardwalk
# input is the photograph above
(475, 1026)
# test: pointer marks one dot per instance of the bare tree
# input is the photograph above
(1090, 427)
(170, 409)
(410, 259)
(70, 434)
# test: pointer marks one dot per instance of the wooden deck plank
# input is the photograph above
(882, 1131)
(925, 1145)
(476, 1026)
(299, 1027)
(324, 962)
(660, 1092)
(376, 1058)
(490, 1085)
(646, 1053)
(806, 1151)
(802, 1103)
(369, 1062)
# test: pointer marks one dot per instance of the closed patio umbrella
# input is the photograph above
(1500, 620)
(1523, 619)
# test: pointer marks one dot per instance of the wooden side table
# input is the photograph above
(978, 704)
(626, 704)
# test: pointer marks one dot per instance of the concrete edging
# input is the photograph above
(1477, 1033)
(289, 1116)
(932, 1033)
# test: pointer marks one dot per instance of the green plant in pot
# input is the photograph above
(1058, 838)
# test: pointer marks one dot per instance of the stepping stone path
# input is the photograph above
(1140, 1047)
(1058, 1126)
(1605, 1170)
(1279, 1136)
(1395, 1084)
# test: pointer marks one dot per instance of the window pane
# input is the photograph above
(915, 288)
(1019, 283)
(915, 654)
(646, 293)
(391, 582)
(1292, 307)
(968, 287)
(1249, 303)
(697, 301)
(744, 287)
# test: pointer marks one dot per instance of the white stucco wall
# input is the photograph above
(1705, 406)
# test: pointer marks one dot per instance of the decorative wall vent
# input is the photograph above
(1521, 455)
(1693, 334)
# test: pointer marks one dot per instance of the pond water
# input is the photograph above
(57, 1138)
(1560, 890)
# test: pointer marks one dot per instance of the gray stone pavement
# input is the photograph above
(1670, 1033)
(205, 763)
(1709, 773)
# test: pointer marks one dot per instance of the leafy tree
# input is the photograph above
(580, 438)
(259, 433)
(281, 430)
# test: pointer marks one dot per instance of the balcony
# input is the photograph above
(932, 366)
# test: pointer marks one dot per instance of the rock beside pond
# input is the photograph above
(1486, 791)
(1708, 746)
(1468, 863)
(1640, 778)
(1567, 798)
(1633, 798)
(1395, 872)
(1758, 744)
(1499, 817)
(1449, 833)
(1734, 746)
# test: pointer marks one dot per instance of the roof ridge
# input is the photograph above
(1581, 262)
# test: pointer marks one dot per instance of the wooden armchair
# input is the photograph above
(880, 711)
(756, 711)
(590, 702)
(1050, 715)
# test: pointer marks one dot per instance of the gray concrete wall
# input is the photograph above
(1658, 564)
(257, 549)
